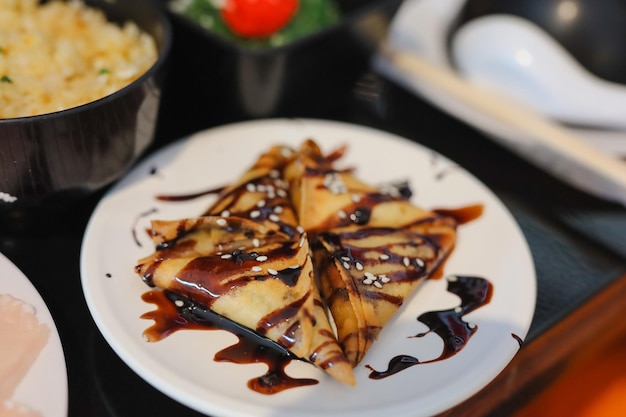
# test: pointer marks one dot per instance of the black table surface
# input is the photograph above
(578, 242)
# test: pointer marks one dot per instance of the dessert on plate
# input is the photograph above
(294, 241)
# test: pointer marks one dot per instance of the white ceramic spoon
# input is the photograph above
(513, 56)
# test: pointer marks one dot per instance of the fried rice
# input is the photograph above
(58, 55)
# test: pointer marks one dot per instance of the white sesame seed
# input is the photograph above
(226, 256)
(353, 217)
(368, 281)
(302, 240)
(458, 309)
(384, 257)
(274, 173)
(257, 268)
(342, 214)
(345, 258)
(271, 194)
(294, 267)
(221, 222)
(254, 214)
(278, 209)
(359, 266)
(419, 262)
(346, 265)
(370, 275)
(225, 213)
(384, 279)
(378, 284)
(300, 229)
(281, 193)
(256, 242)
(274, 217)
(406, 261)
(179, 303)
(260, 203)
(334, 183)
(339, 187)
(261, 258)
(260, 188)
(272, 271)
(286, 152)
(250, 187)
(356, 198)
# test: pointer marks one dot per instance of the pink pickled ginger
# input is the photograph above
(22, 337)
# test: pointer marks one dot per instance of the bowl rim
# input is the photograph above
(162, 56)
(297, 43)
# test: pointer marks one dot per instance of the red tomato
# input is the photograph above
(258, 18)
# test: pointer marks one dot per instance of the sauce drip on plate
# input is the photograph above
(474, 292)
(175, 313)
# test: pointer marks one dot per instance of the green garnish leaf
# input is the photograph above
(104, 71)
(6, 79)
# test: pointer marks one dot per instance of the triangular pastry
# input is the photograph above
(367, 273)
(261, 194)
(248, 260)
(371, 248)
(326, 198)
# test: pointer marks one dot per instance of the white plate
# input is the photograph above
(44, 388)
(182, 365)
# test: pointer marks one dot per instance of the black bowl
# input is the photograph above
(54, 159)
(215, 81)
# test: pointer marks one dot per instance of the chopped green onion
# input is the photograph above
(104, 71)
(6, 79)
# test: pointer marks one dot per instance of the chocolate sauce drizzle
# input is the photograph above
(175, 313)
(449, 325)
(462, 215)
(139, 217)
(191, 196)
